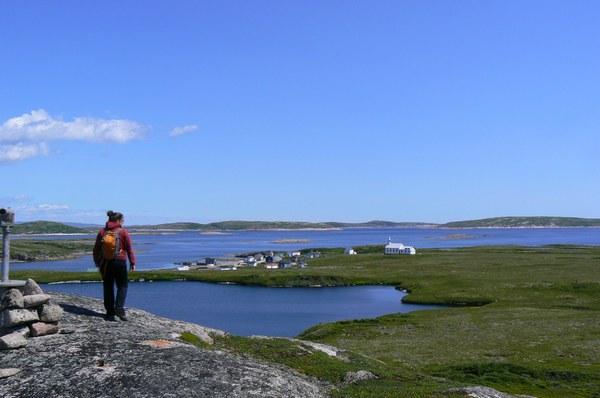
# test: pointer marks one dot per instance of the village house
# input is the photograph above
(398, 248)
(349, 250)
(273, 259)
(250, 261)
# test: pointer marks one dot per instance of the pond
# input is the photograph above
(250, 310)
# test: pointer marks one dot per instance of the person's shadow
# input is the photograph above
(73, 309)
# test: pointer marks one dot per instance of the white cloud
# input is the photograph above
(43, 211)
(26, 135)
(18, 152)
(40, 126)
(52, 207)
(44, 207)
(183, 130)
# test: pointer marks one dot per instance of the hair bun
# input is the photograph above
(110, 213)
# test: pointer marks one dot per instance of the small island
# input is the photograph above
(280, 241)
(456, 236)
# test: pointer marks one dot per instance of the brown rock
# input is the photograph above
(42, 329)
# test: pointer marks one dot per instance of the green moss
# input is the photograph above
(195, 340)
(516, 377)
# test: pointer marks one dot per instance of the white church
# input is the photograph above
(398, 248)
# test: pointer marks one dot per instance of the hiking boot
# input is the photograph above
(110, 318)
(123, 318)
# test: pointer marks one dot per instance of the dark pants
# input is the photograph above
(115, 272)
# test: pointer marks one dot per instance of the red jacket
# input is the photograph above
(125, 247)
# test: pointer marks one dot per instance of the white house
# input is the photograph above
(312, 255)
(398, 248)
(349, 250)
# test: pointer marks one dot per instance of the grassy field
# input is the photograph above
(42, 250)
(522, 320)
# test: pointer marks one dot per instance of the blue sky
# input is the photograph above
(204, 111)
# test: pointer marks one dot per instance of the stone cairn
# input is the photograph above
(26, 313)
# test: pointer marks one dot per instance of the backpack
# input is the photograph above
(110, 244)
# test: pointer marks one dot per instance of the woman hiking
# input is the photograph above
(113, 247)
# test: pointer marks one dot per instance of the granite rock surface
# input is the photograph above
(143, 357)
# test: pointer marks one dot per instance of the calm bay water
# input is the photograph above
(156, 251)
(245, 310)
(279, 311)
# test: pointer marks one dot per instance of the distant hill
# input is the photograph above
(241, 225)
(47, 227)
(524, 222)
(50, 227)
(253, 225)
(84, 225)
(234, 225)
(379, 224)
(180, 226)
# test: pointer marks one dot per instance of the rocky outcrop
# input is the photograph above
(354, 377)
(26, 312)
(485, 392)
(143, 357)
